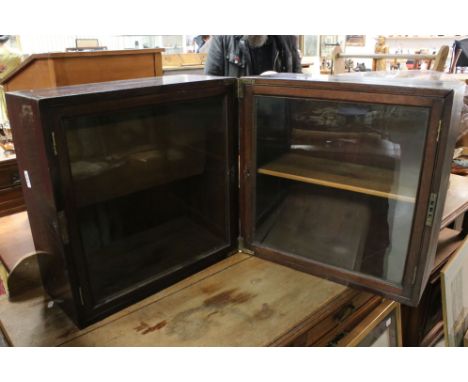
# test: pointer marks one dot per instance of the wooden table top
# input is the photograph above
(16, 240)
(240, 301)
(63, 55)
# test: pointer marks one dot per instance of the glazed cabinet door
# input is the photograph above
(342, 180)
(144, 184)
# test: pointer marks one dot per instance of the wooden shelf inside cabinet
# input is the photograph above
(341, 175)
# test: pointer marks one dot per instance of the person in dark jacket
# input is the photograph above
(236, 56)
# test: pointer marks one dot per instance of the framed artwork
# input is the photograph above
(454, 279)
(381, 328)
(355, 40)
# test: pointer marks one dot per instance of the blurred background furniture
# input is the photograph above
(183, 63)
(436, 62)
(50, 70)
(459, 55)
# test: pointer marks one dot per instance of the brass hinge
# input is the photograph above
(80, 292)
(439, 128)
(431, 209)
(415, 274)
(63, 227)
(54, 144)
(241, 83)
(241, 246)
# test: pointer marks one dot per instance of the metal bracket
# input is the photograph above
(439, 128)
(431, 209)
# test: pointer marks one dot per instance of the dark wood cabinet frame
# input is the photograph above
(42, 151)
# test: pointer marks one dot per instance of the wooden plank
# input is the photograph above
(456, 201)
(32, 321)
(344, 176)
(252, 303)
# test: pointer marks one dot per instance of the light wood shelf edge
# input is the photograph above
(271, 171)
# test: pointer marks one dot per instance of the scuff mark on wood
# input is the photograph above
(228, 297)
(264, 313)
(210, 288)
(158, 326)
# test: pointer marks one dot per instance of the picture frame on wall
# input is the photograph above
(454, 283)
(381, 328)
(355, 40)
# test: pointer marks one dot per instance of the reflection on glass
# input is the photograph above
(337, 181)
(151, 189)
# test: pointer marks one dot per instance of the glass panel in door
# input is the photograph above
(151, 189)
(336, 182)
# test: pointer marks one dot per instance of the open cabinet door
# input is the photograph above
(345, 178)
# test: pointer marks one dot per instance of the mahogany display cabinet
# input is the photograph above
(133, 185)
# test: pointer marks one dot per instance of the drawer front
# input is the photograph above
(342, 319)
